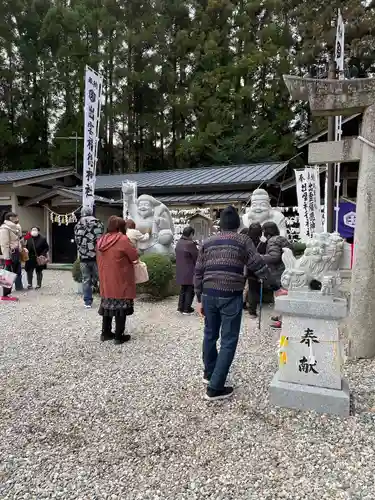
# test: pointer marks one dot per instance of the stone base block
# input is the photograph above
(306, 397)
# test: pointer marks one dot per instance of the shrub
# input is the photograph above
(298, 248)
(160, 272)
(76, 272)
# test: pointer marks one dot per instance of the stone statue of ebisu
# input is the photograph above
(151, 216)
(260, 210)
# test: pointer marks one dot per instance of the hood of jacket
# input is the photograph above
(281, 241)
(107, 241)
(15, 228)
(90, 220)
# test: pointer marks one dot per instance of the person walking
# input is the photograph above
(87, 231)
(219, 283)
(273, 257)
(38, 248)
(116, 257)
(11, 249)
(186, 257)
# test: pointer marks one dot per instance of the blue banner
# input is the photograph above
(347, 218)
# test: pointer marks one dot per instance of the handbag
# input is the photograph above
(140, 272)
(7, 278)
(41, 260)
(24, 255)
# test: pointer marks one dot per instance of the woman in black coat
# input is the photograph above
(37, 246)
(186, 257)
(253, 295)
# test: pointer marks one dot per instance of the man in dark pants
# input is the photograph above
(186, 257)
(87, 232)
(219, 284)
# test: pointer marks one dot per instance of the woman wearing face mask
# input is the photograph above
(38, 248)
(11, 248)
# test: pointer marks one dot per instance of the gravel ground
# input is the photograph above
(85, 420)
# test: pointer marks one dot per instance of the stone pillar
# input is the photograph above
(309, 376)
(362, 310)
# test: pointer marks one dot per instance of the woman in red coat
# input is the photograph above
(115, 257)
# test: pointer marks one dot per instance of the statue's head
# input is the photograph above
(260, 206)
(145, 206)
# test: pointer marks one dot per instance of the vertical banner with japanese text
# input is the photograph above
(93, 93)
(308, 197)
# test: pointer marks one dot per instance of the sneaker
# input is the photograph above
(212, 395)
(104, 338)
(9, 298)
(122, 339)
(206, 378)
(38, 287)
(29, 287)
(88, 306)
(187, 313)
(276, 325)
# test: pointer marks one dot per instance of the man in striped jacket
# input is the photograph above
(219, 283)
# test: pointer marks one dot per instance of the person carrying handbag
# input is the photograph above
(38, 248)
(11, 249)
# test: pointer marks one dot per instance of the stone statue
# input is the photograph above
(320, 262)
(151, 216)
(261, 211)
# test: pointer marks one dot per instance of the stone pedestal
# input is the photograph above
(309, 376)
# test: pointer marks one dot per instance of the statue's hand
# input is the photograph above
(127, 190)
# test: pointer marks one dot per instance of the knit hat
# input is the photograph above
(229, 219)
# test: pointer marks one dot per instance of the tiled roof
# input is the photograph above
(226, 197)
(20, 175)
(206, 176)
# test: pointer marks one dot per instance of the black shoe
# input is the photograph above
(212, 395)
(38, 287)
(206, 378)
(29, 287)
(107, 336)
(188, 312)
(122, 339)
(253, 315)
(244, 306)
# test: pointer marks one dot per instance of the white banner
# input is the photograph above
(339, 58)
(93, 93)
(339, 45)
(308, 197)
(129, 190)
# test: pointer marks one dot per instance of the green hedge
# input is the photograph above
(298, 248)
(161, 273)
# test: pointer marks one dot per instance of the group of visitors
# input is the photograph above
(214, 271)
(17, 248)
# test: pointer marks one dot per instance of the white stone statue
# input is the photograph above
(320, 262)
(261, 211)
(151, 216)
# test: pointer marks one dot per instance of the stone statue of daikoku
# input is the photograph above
(151, 216)
(261, 211)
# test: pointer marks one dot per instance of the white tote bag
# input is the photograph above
(7, 278)
(140, 272)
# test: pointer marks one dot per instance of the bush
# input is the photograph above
(160, 272)
(76, 272)
(298, 248)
